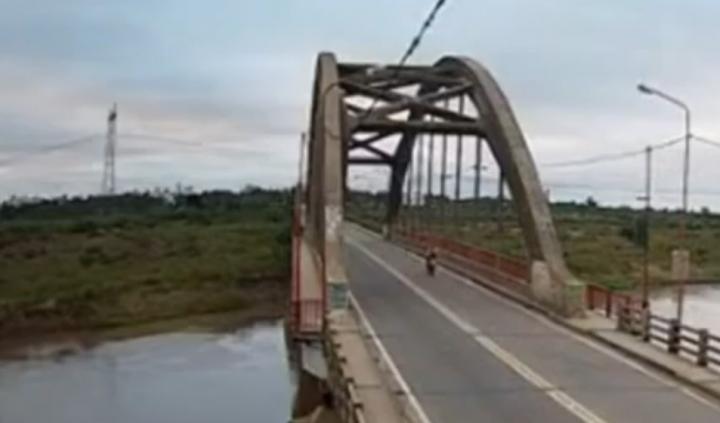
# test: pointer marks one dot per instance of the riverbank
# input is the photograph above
(74, 267)
(63, 342)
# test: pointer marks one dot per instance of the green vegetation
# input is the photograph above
(602, 244)
(111, 261)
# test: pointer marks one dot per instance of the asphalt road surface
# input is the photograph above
(469, 356)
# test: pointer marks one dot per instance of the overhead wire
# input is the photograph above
(706, 141)
(160, 138)
(612, 156)
(412, 47)
(47, 149)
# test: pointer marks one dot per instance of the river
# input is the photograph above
(701, 306)
(242, 376)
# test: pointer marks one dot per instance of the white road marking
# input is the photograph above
(667, 381)
(412, 399)
(549, 323)
(503, 355)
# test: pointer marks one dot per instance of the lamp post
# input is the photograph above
(686, 176)
(647, 198)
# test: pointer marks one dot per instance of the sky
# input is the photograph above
(215, 94)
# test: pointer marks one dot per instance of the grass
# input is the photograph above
(119, 270)
(599, 243)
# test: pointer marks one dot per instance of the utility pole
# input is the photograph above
(458, 170)
(108, 181)
(419, 191)
(646, 241)
(500, 201)
(410, 175)
(683, 262)
(443, 172)
(478, 170)
(429, 215)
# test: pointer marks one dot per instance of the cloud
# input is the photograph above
(237, 78)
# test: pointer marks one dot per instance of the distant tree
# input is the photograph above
(591, 202)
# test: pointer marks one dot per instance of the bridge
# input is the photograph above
(488, 338)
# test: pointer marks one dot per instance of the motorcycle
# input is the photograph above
(431, 262)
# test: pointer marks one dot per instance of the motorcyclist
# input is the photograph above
(431, 261)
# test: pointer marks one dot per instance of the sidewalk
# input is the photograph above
(603, 329)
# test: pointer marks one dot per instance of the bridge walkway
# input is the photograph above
(468, 355)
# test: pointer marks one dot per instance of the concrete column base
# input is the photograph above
(320, 415)
(309, 394)
(565, 296)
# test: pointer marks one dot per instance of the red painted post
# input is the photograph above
(496, 263)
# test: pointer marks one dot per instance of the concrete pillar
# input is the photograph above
(565, 297)
(309, 394)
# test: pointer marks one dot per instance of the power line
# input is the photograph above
(161, 138)
(412, 47)
(417, 39)
(613, 156)
(47, 149)
(706, 141)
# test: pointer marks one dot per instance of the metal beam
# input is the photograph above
(368, 161)
(354, 88)
(356, 143)
(379, 153)
(418, 126)
(392, 80)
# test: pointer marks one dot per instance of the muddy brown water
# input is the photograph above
(701, 305)
(237, 376)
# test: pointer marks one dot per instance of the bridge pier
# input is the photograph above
(562, 294)
(309, 399)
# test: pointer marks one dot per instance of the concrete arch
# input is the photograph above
(326, 180)
(508, 144)
(334, 125)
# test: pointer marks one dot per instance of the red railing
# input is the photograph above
(610, 302)
(307, 317)
(515, 268)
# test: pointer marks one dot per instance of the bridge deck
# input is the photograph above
(470, 356)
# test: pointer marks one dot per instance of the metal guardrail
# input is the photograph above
(698, 345)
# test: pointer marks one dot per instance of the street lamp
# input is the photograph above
(647, 198)
(686, 176)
